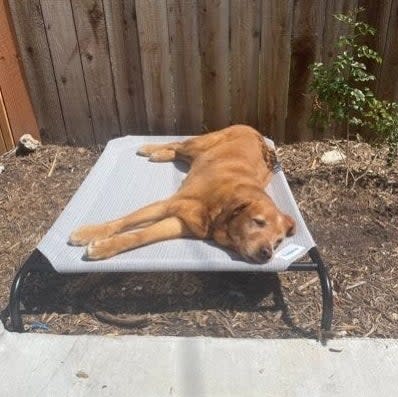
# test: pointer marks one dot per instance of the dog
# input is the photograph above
(222, 198)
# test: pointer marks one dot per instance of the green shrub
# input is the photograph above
(341, 92)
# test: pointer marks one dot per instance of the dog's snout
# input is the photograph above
(265, 253)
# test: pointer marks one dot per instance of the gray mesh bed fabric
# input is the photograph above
(121, 182)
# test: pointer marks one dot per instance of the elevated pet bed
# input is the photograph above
(121, 182)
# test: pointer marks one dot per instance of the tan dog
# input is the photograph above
(222, 198)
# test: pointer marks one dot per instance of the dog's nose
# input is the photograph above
(265, 253)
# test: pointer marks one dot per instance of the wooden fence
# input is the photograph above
(16, 114)
(98, 69)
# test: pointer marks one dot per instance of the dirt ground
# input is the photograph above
(356, 229)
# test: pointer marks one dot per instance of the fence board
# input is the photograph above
(388, 80)
(17, 102)
(121, 23)
(308, 20)
(65, 55)
(275, 56)
(93, 44)
(6, 141)
(333, 29)
(33, 46)
(156, 65)
(3, 147)
(377, 14)
(214, 49)
(184, 47)
(245, 47)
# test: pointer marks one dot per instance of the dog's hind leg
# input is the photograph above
(146, 215)
(166, 229)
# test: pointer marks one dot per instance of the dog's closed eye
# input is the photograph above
(259, 222)
(276, 245)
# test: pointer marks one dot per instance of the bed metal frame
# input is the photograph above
(37, 262)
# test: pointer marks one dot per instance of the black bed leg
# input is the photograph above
(36, 262)
(327, 292)
(15, 300)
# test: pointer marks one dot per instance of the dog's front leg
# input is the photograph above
(166, 229)
(149, 214)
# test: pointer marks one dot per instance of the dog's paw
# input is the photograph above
(147, 150)
(85, 234)
(100, 249)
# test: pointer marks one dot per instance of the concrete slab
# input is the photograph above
(53, 365)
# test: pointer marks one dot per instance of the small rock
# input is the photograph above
(81, 374)
(27, 144)
(332, 157)
(2, 168)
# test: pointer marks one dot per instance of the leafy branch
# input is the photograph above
(341, 92)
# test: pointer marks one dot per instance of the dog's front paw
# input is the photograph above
(85, 234)
(100, 249)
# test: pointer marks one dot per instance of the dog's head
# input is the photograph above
(253, 228)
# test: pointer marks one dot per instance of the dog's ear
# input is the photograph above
(234, 208)
(230, 211)
(219, 229)
(290, 225)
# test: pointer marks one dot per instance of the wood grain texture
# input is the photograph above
(388, 78)
(6, 140)
(121, 23)
(308, 21)
(277, 17)
(93, 43)
(3, 147)
(156, 65)
(214, 50)
(245, 48)
(333, 28)
(16, 98)
(378, 14)
(30, 32)
(185, 58)
(68, 69)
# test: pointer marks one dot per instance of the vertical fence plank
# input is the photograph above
(13, 87)
(3, 147)
(388, 79)
(93, 43)
(333, 29)
(275, 55)
(156, 65)
(68, 70)
(377, 14)
(184, 47)
(6, 141)
(308, 20)
(124, 50)
(33, 46)
(245, 46)
(214, 49)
